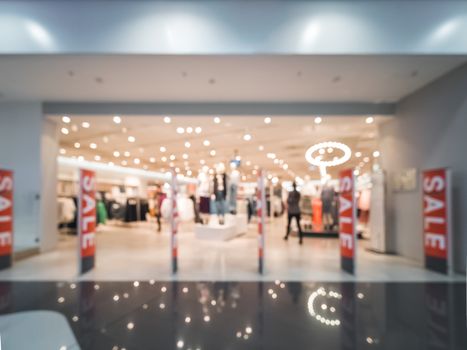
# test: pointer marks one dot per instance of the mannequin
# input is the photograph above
(220, 191)
(233, 187)
(327, 199)
(203, 194)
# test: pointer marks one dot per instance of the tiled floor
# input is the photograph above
(232, 315)
(143, 254)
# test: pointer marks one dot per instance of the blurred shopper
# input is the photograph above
(293, 211)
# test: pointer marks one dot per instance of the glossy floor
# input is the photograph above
(139, 252)
(232, 315)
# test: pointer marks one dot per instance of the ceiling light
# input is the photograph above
(366, 159)
(211, 171)
(65, 131)
(318, 120)
(124, 162)
(74, 128)
(62, 151)
(171, 164)
(164, 159)
(85, 125)
(247, 163)
(276, 161)
(167, 120)
(212, 153)
(93, 145)
(358, 154)
(124, 130)
(187, 144)
(275, 180)
(261, 148)
(217, 120)
(77, 145)
(247, 137)
(97, 158)
(285, 166)
(152, 160)
(105, 139)
(185, 156)
(117, 119)
(126, 154)
(376, 154)
(189, 172)
(243, 178)
(162, 149)
(356, 172)
(324, 145)
(131, 139)
(271, 155)
(66, 119)
(206, 143)
(180, 130)
(369, 120)
(189, 130)
(330, 149)
(198, 130)
(136, 161)
(172, 157)
(202, 162)
(267, 120)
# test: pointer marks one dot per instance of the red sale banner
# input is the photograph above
(436, 219)
(6, 218)
(87, 219)
(347, 220)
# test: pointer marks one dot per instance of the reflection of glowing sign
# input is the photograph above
(321, 292)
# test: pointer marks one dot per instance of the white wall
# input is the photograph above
(429, 131)
(28, 146)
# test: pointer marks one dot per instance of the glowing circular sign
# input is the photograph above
(317, 159)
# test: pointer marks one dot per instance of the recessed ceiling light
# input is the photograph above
(77, 145)
(358, 154)
(330, 149)
(318, 120)
(206, 143)
(66, 119)
(180, 130)
(247, 137)
(126, 154)
(202, 162)
(117, 119)
(162, 149)
(356, 172)
(247, 163)
(164, 159)
(74, 128)
(198, 130)
(105, 139)
(212, 153)
(187, 144)
(189, 130)
(376, 154)
(62, 151)
(261, 148)
(131, 139)
(65, 131)
(271, 155)
(172, 157)
(276, 161)
(124, 130)
(116, 154)
(185, 156)
(152, 160)
(167, 120)
(85, 125)
(124, 162)
(267, 120)
(189, 172)
(136, 161)
(366, 159)
(217, 120)
(369, 120)
(171, 164)
(97, 158)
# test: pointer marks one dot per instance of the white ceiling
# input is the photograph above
(218, 78)
(288, 137)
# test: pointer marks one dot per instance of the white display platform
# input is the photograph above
(234, 225)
